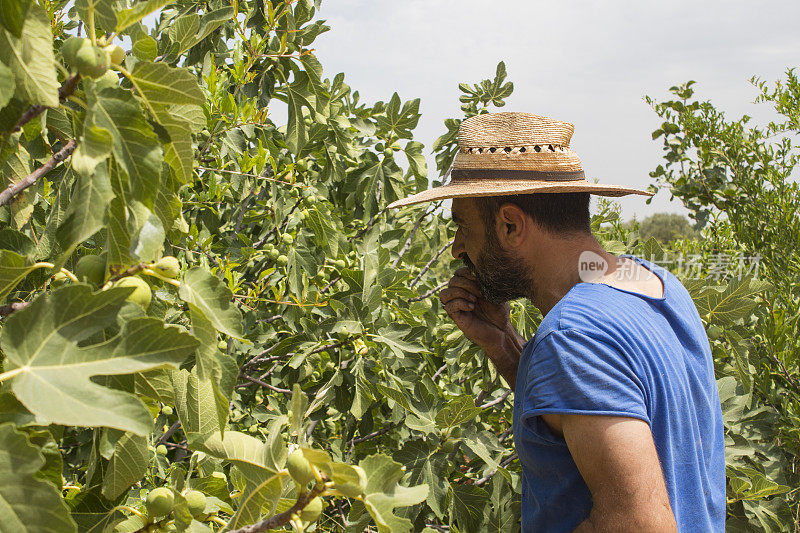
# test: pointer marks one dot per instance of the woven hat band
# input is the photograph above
(538, 175)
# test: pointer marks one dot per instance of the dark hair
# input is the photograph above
(561, 213)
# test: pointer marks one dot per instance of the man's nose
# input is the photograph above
(458, 245)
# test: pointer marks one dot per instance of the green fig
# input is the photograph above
(339, 264)
(388, 152)
(379, 147)
(109, 79)
(161, 449)
(160, 502)
(354, 490)
(167, 266)
(312, 510)
(287, 239)
(70, 48)
(273, 254)
(282, 260)
(115, 53)
(59, 279)
(714, 332)
(223, 346)
(91, 269)
(195, 502)
(166, 410)
(299, 468)
(141, 294)
(91, 61)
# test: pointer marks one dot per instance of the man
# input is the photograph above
(617, 420)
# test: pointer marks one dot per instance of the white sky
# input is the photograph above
(589, 63)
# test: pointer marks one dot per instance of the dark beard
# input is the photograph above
(501, 277)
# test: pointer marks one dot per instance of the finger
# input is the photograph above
(458, 305)
(466, 284)
(456, 292)
(465, 272)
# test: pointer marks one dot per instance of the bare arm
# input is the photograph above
(486, 324)
(618, 461)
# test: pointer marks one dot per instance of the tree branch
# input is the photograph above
(431, 262)
(7, 309)
(429, 293)
(15, 188)
(280, 519)
(35, 110)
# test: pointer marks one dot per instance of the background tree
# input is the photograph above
(664, 227)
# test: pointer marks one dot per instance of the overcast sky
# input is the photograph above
(589, 63)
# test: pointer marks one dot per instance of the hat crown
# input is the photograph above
(513, 129)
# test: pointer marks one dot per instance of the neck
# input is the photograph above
(554, 265)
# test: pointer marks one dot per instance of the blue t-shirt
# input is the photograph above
(607, 351)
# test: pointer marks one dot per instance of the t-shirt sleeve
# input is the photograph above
(572, 373)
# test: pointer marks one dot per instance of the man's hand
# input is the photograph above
(482, 322)
(486, 324)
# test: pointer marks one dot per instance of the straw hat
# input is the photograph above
(514, 153)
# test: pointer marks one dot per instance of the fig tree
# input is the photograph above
(91, 269)
(299, 468)
(282, 260)
(141, 294)
(312, 510)
(195, 502)
(354, 490)
(91, 61)
(159, 502)
(161, 449)
(71, 47)
(167, 266)
(115, 53)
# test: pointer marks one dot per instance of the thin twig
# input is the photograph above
(368, 226)
(496, 401)
(429, 293)
(407, 244)
(263, 384)
(439, 372)
(298, 185)
(15, 188)
(169, 432)
(35, 110)
(431, 262)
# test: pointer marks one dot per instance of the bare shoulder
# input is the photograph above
(633, 277)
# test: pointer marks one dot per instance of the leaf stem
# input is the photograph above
(155, 274)
(11, 373)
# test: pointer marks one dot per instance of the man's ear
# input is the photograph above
(513, 225)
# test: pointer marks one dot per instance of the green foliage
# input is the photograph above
(736, 179)
(288, 309)
(665, 227)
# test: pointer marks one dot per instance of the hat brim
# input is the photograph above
(484, 187)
